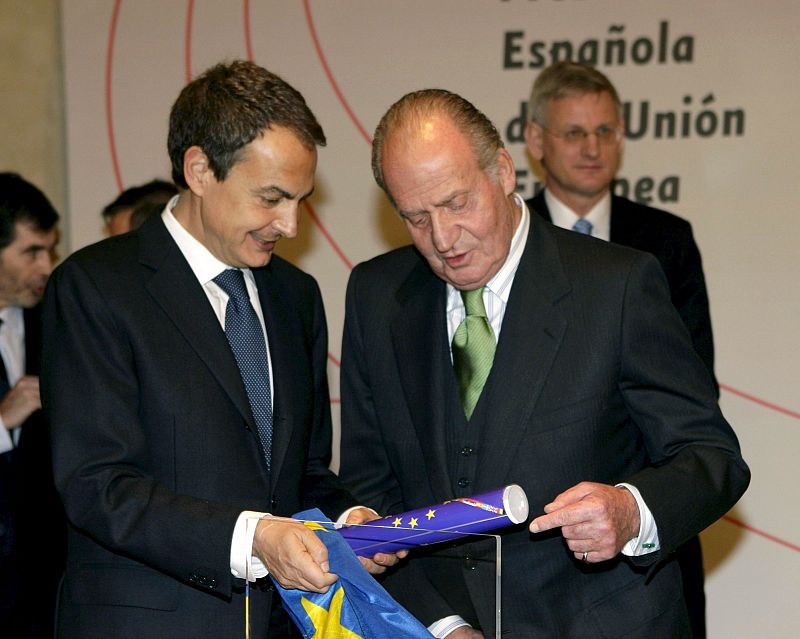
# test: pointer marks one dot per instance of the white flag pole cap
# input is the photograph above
(515, 503)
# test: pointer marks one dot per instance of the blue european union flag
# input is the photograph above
(356, 606)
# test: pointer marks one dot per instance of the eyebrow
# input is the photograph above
(276, 190)
(35, 247)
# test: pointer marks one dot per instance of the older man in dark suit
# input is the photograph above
(501, 349)
(185, 379)
(575, 133)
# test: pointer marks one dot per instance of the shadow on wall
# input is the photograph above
(390, 227)
(719, 542)
(385, 222)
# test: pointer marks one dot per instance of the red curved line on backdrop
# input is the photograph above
(248, 43)
(765, 535)
(312, 214)
(187, 54)
(112, 34)
(760, 402)
(312, 30)
(333, 359)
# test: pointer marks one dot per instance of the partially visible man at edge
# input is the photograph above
(172, 434)
(31, 517)
(576, 134)
(593, 399)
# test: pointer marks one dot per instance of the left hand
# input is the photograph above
(381, 561)
(594, 518)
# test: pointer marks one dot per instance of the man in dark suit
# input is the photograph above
(172, 433)
(576, 135)
(31, 518)
(594, 400)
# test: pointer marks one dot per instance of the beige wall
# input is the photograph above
(32, 97)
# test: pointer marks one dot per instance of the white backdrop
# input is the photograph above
(723, 70)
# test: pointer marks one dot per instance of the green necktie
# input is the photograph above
(473, 350)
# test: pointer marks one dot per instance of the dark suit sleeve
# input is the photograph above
(322, 487)
(695, 469)
(366, 468)
(365, 465)
(690, 297)
(117, 485)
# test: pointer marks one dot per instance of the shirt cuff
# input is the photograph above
(6, 443)
(243, 564)
(440, 629)
(647, 540)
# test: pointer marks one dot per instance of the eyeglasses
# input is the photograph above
(605, 134)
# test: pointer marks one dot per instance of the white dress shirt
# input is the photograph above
(12, 350)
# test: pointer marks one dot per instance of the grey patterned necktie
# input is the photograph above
(246, 338)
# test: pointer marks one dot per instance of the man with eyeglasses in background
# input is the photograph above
(576, 134)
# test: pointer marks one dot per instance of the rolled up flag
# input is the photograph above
(447, 521)
(356, 606)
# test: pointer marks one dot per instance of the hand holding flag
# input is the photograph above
(356, 606)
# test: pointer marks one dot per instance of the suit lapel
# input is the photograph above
(419, 338)
(282, 346)
(175, 288)
(538, 205)
(532, 332)
(622, 229)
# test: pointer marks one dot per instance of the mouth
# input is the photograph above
(454, 261)
(263, 244)
(590, 168)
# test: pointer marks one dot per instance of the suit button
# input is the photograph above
(467, 451)
(463, 482)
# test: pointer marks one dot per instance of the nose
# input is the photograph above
(591, 145)
(44, 262)
(287, 220)
(444, 232)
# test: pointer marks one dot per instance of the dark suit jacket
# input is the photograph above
(31, 518)
(155, 447)
(594, 378)
(670, 239)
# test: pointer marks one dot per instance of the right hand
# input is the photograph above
(293, 554)
(19, 402)
(377, 564)
(465, 632)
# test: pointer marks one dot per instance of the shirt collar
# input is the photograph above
(599, 215)
(13, 319)
(203, 264)
(500, 284)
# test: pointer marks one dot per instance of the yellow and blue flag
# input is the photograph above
(356, 606)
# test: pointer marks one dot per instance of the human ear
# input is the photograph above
(196, 170)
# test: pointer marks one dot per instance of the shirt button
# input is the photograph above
(467, 451)
(463, 482)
